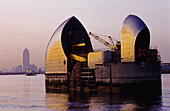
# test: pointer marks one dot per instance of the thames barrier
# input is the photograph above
(130, 65)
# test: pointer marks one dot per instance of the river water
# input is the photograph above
(27, 93)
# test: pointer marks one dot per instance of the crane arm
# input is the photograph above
(100, 39)
(110, 45)
(111, 41)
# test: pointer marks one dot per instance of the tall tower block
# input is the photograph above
(26, 60)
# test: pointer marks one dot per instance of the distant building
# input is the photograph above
(41, 70)
(33, 67)
(26, 60)
(18, 68)
(5, 70)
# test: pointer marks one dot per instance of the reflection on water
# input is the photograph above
(19, 92)
(57, 101)
(85, 101)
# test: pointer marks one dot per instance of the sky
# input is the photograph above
(31, 23)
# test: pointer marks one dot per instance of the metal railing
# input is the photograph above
(102, 50)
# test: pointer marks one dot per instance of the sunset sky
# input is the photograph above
(30, 24)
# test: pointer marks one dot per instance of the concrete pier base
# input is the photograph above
(128, 78)
(147, 87)
(56, 82)
(111, 78)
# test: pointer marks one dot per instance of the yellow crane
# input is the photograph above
(110, 45)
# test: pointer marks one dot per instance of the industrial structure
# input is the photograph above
(71, 63)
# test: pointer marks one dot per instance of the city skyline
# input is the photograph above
(31, 24)
(26, 65)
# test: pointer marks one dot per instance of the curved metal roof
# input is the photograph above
(133, 24)
(57, 34)
(134, 35)
(61, 45)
